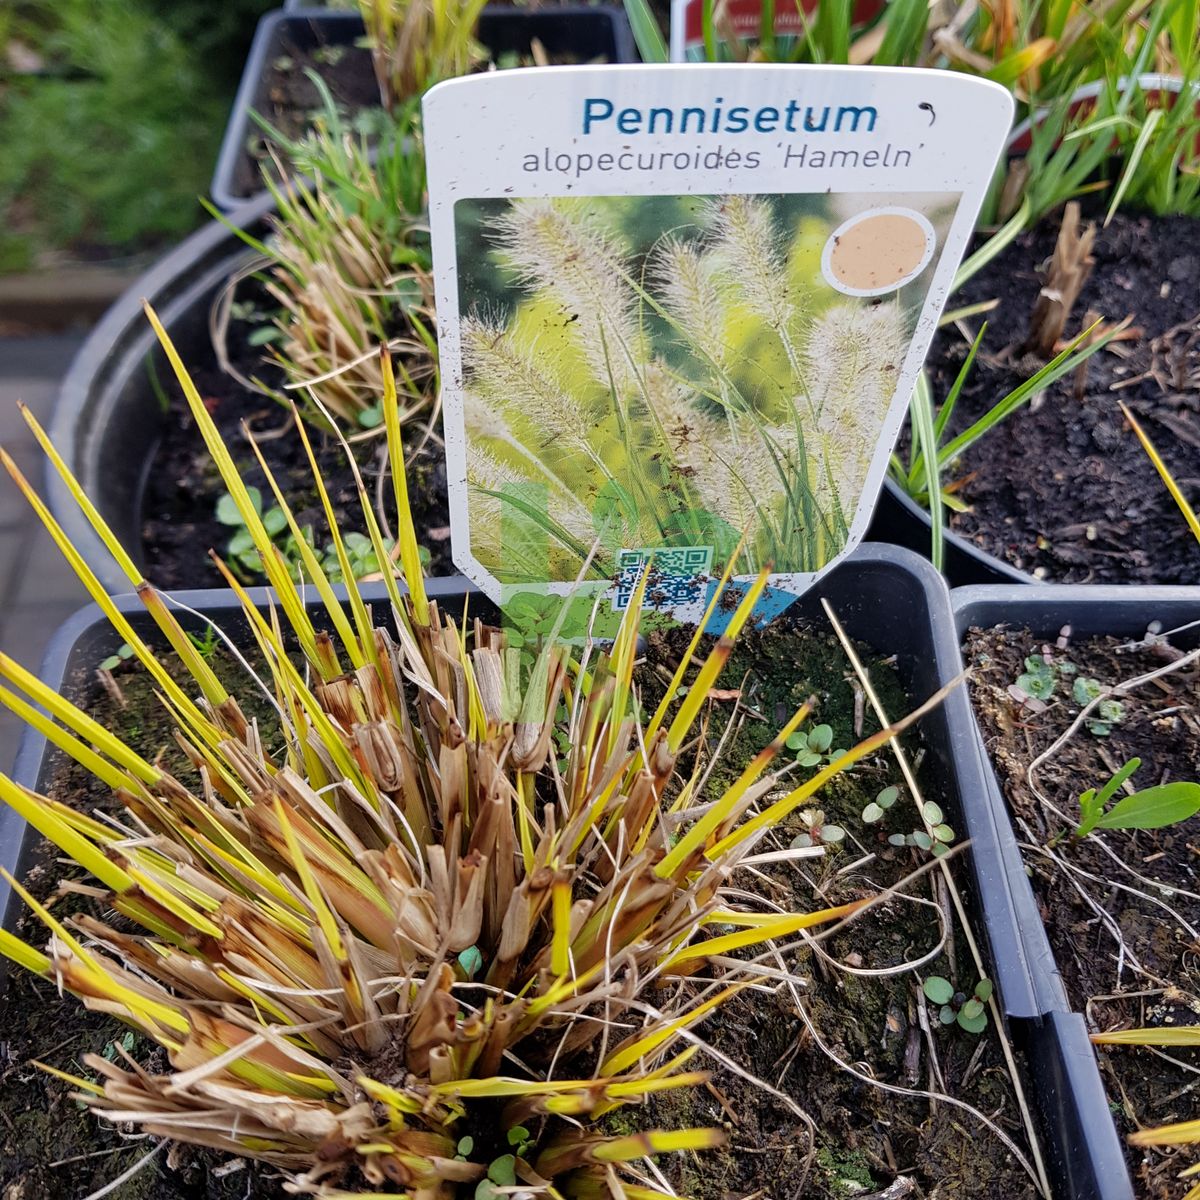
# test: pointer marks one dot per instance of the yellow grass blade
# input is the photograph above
(49, 824)
(92, 585)
(781, 808)
(1189, 514)
(646, 1087)
(173, 904)
(689, 709)
(641, 1145)
(366, 631)
(82, 753)
(780, 927)
(308, 880)
(148, 1012)
(199, 670)
(624, 1057)
(1184, 1133)
(406, 534)
(390, 1096)
(275, 570)
(84, 1085)
(668, 699)
(22, 954)
(721, 810)
(560, 947)
(1165, 1035)
(281, 664)
(312, 564)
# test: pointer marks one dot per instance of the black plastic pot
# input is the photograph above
(896, 603)
(903, 522)
(109, 416)
(584, 31)
(1090, 611)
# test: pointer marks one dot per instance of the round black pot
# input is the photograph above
(903, 522)
(109, 417)
(586, 32)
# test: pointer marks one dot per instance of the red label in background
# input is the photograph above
(746, 17)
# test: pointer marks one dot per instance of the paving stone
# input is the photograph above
(38, 591)
(45, 576)
(44, 357)
(12, 547)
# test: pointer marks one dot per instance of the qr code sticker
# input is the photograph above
(678, 575)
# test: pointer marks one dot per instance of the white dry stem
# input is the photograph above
(1150, 885)
(566, 254)
(109, 1188)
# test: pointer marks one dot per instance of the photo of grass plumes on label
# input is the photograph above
(671, 371)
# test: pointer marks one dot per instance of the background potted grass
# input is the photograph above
(1083, 505)
(339, 266)
(364, 59)
(310, 885)
(286, 302)
(1076, 138)
(112, 117)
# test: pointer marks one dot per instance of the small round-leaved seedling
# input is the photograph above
(938, 990)
(878, 807)
(969, 1013)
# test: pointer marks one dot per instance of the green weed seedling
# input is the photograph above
(206, 643)
(935, 837)
(360, 552)
(813, 746)
(1040, 677)
(957, 1008)
(502, 1171)
(123, 653)
(1151, 808)
(1108, 712)
(817, 832)
(1041, 680)
(877, 809)
(241, 549)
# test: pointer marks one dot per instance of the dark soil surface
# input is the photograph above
(1062, 489)
(292, 98)
(848, 1137)
(861, 1138)
(183, 486)
(1158, 982)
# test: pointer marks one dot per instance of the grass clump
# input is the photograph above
(407, 947)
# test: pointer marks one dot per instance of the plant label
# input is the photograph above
(681, 310)
(741, 21)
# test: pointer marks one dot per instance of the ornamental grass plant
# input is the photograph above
(396, 944)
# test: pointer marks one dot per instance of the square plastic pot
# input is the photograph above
(1097, 1165)
(586, 32)
(894, 602)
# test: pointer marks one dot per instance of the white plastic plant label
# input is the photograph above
(681, 310)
